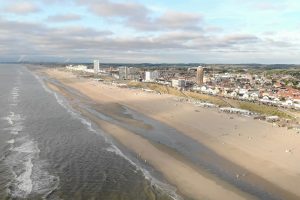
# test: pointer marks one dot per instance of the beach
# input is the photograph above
(253, 152)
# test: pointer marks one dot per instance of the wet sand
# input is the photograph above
(254, 145)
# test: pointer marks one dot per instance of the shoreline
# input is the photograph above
(191, 182)
(174, 116)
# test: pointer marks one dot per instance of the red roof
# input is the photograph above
(289, 92)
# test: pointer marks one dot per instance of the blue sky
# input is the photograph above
(169, 31)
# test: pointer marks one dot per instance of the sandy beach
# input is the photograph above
(270, 155)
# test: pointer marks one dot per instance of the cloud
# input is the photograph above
(108, 8)
(155, 36)
(170, 20)
(140, 17)
(64, 17)
(22, 8)
(76, 40)
(239, 39)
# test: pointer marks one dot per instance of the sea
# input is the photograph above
(49, 151)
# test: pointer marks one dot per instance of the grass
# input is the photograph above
(263, 109)
(253, 107)
(173, 91)
(207, 98)
(156, 87)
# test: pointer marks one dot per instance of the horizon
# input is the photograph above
(162, 63)
(142, 31)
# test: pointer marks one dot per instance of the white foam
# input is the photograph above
(33, 178)
(41, 82)
(9, 120)
(12, 141)
(65, 105)
(114, 149)
(15, 94)
(44, 183)
(27, 147)
(12, 117)
(16, 129)
(24, 180)
(167, 188)
(15, 123)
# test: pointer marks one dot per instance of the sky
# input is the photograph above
(151, 31)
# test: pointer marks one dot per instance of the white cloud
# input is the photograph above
(22, 8)
(153, 36)
(64, 17)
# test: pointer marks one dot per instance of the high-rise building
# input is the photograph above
(128, 73)
(200, 75)
(123, 72)
(96, 66)
(151, 76)
(178, 83)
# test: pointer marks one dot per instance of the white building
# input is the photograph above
(178, 83)
(128, 73)
(82, 68)
(288, 103)
(151, 76)
(254, 96)
(123, 71)
(96, 66)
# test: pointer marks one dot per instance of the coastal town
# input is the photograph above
(150, 100)
(236, 84)
(244, 131)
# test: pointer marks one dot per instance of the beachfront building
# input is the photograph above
(96, 66)
(123, 71)
(128, 73)
(151, 76)
(178, 83)
(199, 75)
(82, 68)
(236, 111)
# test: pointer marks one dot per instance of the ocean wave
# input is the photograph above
(31, 176)
(44, 183)
(66, 105)
(16, 129)
(21, 165)
(27, 147)
(24, 181)
(15, 122)
(112, 148)
(12, 141)
(15, 94)
(12, 117)
(170, 190)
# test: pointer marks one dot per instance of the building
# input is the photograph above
(133, 73)
(151, 76)
(96, 66)
(81, 68)
(128, 73)
(178, 83)
(199, 75)
(123, 71)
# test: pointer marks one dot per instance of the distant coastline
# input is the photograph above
(241, 140)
